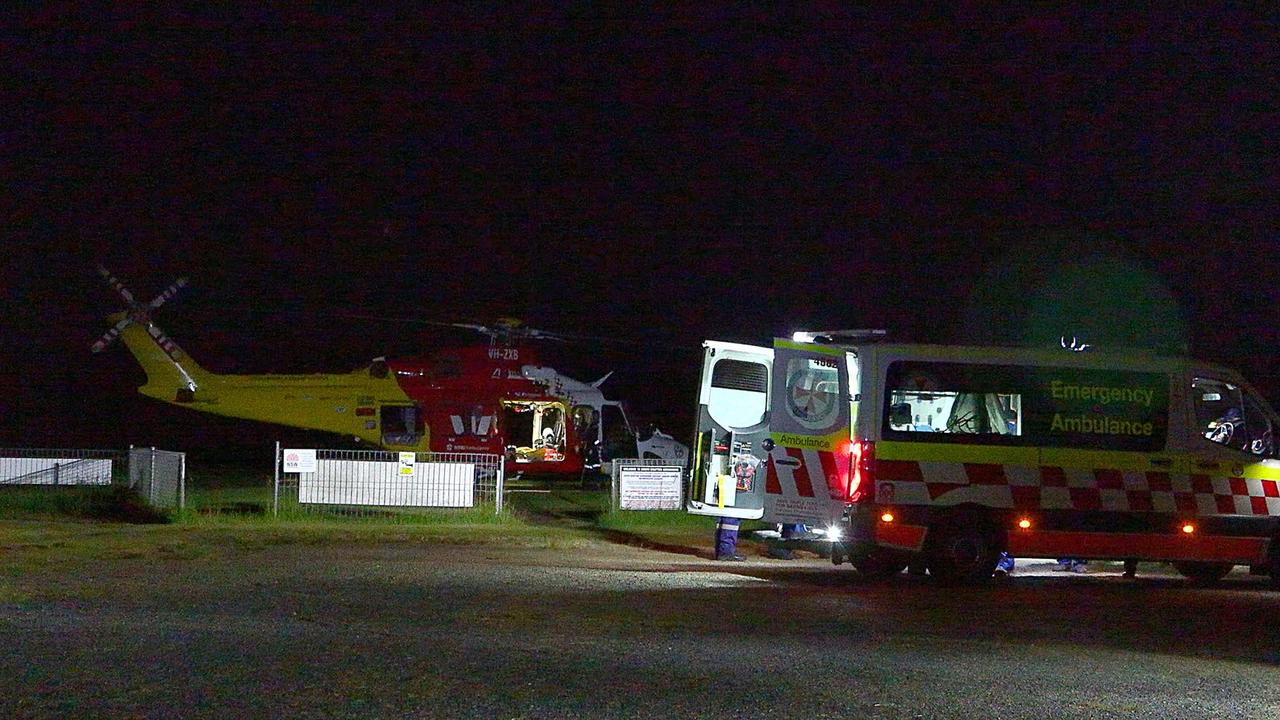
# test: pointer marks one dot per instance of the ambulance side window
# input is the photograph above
(1229, 416)
(739, 393)
(953, 399)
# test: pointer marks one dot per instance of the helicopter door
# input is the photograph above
(535, 430)
(728, 475)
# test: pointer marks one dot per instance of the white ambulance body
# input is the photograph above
(951, 455)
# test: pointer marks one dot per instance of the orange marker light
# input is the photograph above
(887, 517)
(1188, 528)
(1024, 523)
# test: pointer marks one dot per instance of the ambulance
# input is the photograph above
(947, 456)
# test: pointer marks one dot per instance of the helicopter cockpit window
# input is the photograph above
(535, 431)
(401, 424)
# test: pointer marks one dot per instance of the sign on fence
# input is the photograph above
(300, 461)
(407, 461)
(371, 482)
(649, 487)
(346, 480)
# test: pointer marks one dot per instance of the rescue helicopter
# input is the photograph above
(494, 397)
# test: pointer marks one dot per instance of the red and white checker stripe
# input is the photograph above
(797, 473)
(1055, 488)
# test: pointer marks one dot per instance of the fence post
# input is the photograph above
(614, 501)
(182, 482)
(56, 481)
(502, 475)
(275, 491)
(151, 484)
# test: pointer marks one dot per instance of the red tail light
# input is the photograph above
(862, 466)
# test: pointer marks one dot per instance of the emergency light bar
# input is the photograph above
(831, 336)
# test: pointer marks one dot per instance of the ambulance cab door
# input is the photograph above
(809, 445)
(728, 473)
(1233, 443)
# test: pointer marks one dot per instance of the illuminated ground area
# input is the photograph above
(605, 630)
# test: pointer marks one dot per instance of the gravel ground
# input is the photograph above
(619, 632)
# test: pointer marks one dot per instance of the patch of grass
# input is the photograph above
(91, 502)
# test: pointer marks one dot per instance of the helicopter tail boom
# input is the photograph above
(172, 375)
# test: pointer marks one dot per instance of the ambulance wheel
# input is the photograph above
(881, 564)
(960, 554)
(1203, 573)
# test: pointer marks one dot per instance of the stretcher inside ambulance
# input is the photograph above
(946, 456)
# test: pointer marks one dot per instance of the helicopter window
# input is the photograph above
(401, 424)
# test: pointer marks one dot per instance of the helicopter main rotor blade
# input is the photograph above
(168, 293)
(119, 286)
(110, 335)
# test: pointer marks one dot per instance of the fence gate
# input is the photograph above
(380, 480)
(159, 476)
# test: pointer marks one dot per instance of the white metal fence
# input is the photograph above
(159, 476)
(57, 466)
(377, 482)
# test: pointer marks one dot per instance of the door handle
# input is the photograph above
(787, 461)
(1207, 465)
(1161, 462)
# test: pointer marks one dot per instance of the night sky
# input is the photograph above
(654, 179)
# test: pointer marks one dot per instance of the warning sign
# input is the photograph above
(649, 487)
(408, 462)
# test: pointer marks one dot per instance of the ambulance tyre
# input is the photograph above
(962, 553)
(1203, 573)
(881, 564)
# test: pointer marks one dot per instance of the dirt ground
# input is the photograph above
(612, 630)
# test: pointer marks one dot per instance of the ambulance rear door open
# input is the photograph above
(809, 444)
(728, 476)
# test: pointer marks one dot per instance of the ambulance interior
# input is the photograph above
(946, 411)
(534, 431)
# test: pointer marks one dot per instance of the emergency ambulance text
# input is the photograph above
(1100, 425)
(1101, 394)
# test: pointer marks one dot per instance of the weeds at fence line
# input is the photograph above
(113, 503)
